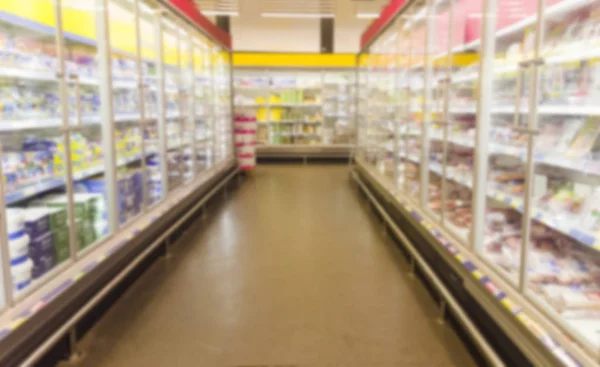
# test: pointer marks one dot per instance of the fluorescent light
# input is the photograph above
(220, 13)
(367, 15)
(297, 15)
(145, 8)
(169, 23)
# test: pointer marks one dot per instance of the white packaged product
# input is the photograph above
(18, 240)
(21, 274)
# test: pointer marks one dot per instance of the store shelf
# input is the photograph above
(560, 224)
(290, 122)
(43, 123)
(51, 183)
(296, 105)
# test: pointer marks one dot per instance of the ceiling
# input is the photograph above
(292, 25)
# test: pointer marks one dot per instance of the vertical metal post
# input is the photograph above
(367, 111)
(442, 317)
(192, 105)
(484, 104)
(396, 79)
(269, 122)
(142, 96)
(181, 95)
(74, 352)
(232, 149)
(107, 117)
(163, 149)
(445, 113)
(213, 103)
(357, 130)
(532, 123)
(427, 63)
(4, 253)
(409, 61)
(323, 107)
(66, 127)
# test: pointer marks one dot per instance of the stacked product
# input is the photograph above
(18, 247)
(154, 180)
(129, 204)
(130, 190)
(245, 141)
(41, 246)
(86, 207)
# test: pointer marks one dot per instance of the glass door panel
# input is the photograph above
(562, 249)
(151, 87)
(173, 114)
(203, 108)
(416, 27)
(126, 112)
(508, 163)
(337, 108)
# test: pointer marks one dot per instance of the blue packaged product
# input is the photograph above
(41, 246)
(36, 221)
(44, 264)
(36, 144)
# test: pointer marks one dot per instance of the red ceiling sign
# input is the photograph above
(188, 8)
(387, 14)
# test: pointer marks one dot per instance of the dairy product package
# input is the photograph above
(42, 265)
(36, 221)
(21, 275)
(40, 246)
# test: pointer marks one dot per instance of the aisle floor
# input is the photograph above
(290, 271)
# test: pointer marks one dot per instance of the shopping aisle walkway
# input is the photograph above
(290, 271)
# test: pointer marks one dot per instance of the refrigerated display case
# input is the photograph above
(298, 112)
(497, 156)
(110, 110)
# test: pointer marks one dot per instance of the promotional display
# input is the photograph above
(489, 125)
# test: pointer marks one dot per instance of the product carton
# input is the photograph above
(41, 246)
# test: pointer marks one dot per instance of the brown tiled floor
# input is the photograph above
(290, 271)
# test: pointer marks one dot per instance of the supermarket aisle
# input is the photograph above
(291, 271)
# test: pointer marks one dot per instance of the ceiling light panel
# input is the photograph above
(298, 9)
(368, 9)
(218, 7)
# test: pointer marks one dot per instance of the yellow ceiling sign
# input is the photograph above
(297, 60)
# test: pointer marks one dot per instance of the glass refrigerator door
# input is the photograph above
(362, 111)
(251, 94)
(150, 40)
(437, 67)
(415, 175)
(337, 106)
(188, 131)
(33, 157)
(126, 113)
(459, 130)
(203, 93)
(563, 262)
(172, 92)
(223, 105)
(88, 112)
(403, 92)
(505, 231)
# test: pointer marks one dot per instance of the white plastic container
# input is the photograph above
(14, 220)
(21, 275)
(18, 247)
